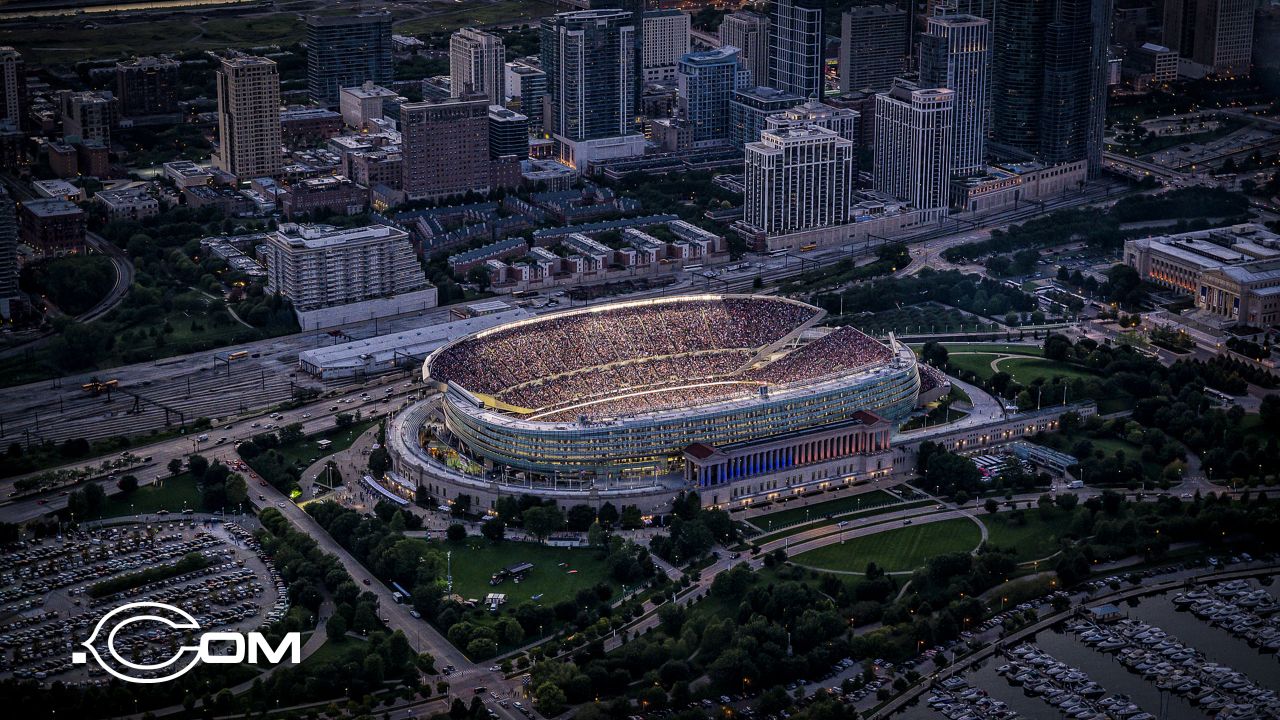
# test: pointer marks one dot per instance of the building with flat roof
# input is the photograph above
(956, 54)
(322, 267)
(797, 48)
(333, 194)
(913, 145)
(508, 133)
(249, 132)
(129, 203)
(873, 47)
(797, 178)
(842, 121)
(446, 148)
(58, 189)
(1232, 273)
(88, 116)
(346, 51)
(8, 256)
(147, 87)
(51, 227)
(185, 173)
(749, 108)
(707, 81)
(477, 65)
(526, 88)
(362, 105)
(666, 39)
(749, 32)
(13, 88)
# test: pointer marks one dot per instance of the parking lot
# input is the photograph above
(52, 593)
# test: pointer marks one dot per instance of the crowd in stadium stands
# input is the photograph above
(929, 378)
(654, 402)
(584, 385)
(842, 351)
(514, 356)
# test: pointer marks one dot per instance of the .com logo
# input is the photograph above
(246, 647)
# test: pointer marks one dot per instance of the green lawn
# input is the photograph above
(793, 512)
(902, 549)
(802, 527)
(1002, 348)
(174, 494)
(1028, 370)
(336, 652)
(1034, 538)
(553, 575)
(976, 363)
(306, 451)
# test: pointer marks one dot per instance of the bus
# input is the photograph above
(693, 268)
(1219, 396)
(809, 247)
(238, 355)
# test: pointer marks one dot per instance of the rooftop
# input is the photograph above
(51, 207)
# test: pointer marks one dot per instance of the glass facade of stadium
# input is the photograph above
(651, 446)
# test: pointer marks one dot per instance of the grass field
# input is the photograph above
(899, 550)
(977, 363)
(793, 512)
(1028, 370)
(553, 575)
(802, 527)
(174, 494)
(305, 451)
(1033, 539)
(1002, 348)
(336, 652)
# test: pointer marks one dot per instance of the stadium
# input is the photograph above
(739, 396)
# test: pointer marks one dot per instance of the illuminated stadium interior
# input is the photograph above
(620, 390)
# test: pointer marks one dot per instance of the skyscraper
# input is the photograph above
(88, 115)
(666, 39)
(750, 107)
(955, 54)
(8, 255)
(707, 81)
(589, 61)
(147, 86)
(445, 147)
(1048, 81)
(913, 145)
(248, 117)
(345, 51)
(508, 133)
(797, 178)
(749, 32)
(796, 48)
(528, 84)
(13, 87)
(1215, 35)
(477, 64)
(873, 47)
(978, 8)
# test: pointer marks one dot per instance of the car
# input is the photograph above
(280, 504)
(415, 614)
(306, 415)
(366, 581)
(262, 497)
(842, 523)
(906, 521)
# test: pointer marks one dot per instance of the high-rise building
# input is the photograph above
(527, 89)
(8, 255)
(707, 81)
(796, 48)
(795, 179)
(13, 87)
(873, 47)
(446, 147)
(248, 117)
(508, 133)
(147, 86)
(666, 39)
(526, 86)
(750, 107)
(913, 145)
(955, 53)
(345, 51)
(1048, 79)
(978, 8)
(842, 121)
(361, 106)
(749, 32)
(588, 57)
(477, 64)
(88, 116)
(1216, 36)
(320, 266)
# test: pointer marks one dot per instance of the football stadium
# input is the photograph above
(741, 397)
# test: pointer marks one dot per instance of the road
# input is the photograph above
(124, 277)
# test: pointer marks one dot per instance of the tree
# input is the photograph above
(335, 627)
(379, 462)
(128, 484)
(991, 506)
(494, 530)
(631, 518)
(344, 420)
(543, 520)
(1057, 347)
(290, 433)
(198, 465)
(580, 517)
(608, 514)
(456, 533)
(550, 699)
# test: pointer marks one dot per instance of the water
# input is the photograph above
(114, 7)
(1217, 644)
